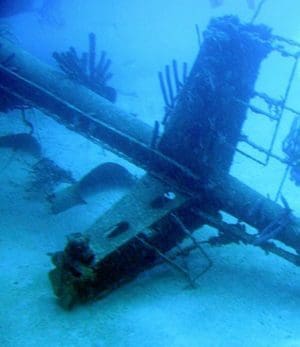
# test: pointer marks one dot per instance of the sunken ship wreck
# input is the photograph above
(186, 157)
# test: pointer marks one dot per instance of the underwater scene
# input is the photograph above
(150, 173)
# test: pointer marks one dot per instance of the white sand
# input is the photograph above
(246, 299)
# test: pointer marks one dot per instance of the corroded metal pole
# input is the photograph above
(205, 126)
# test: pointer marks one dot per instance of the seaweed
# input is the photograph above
(168, 81)
(84, 69)
(46, 175)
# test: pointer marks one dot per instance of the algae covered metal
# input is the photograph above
(187, 182)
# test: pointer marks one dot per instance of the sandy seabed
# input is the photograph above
(246, 299)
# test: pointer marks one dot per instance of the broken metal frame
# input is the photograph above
(280, 45)
(275, 112)
(279, 106)
(112, 126)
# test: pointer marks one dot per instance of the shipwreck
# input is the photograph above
(187, 181)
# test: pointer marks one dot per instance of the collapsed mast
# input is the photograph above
(191, 160)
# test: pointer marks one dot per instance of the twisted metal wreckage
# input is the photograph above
(187, 182)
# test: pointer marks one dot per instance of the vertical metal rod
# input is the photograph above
(184, 72)
(256, 13)
(163, 89)
(287, 91)
(92, 54)
(176, 78)
(155, 135)
(26, 121)
(286, 171)
(168, 260)
(195, 242)
(169, 84)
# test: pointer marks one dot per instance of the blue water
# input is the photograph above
(248, 298)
